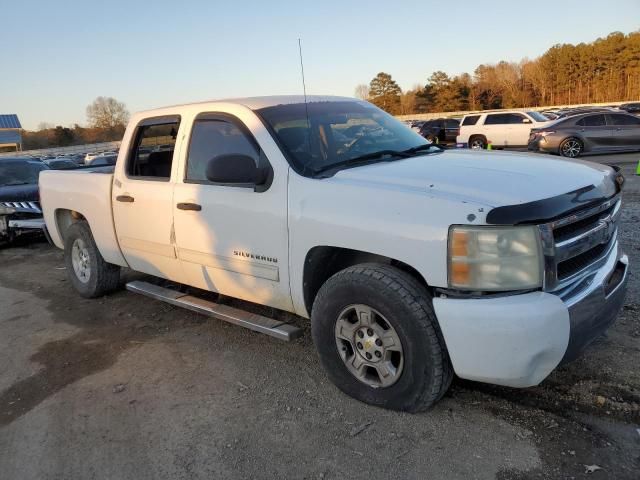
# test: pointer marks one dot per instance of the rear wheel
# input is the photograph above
(90, 275)
(477, 142)
(379, 340)
(571, 147)
(432, 139)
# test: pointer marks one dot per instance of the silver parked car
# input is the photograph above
(595, 132)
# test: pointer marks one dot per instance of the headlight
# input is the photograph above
(7, 210)
(490, 258)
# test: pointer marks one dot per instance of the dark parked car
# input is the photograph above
(61, 164)
(570, 112)
(440, 130)
(631, 107)
(20, 211)
(588, 133)
(103, 160)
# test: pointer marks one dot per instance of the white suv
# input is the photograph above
(501, 129)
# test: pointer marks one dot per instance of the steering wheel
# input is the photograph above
(358, 142)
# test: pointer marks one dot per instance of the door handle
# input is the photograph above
(194, 207)
(125, 198)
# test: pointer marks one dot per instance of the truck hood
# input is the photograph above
(19, 193)
(490, 179)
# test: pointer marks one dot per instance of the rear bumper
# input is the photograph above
(519, 340)
(543, 144)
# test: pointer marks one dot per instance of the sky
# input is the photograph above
(57, 57)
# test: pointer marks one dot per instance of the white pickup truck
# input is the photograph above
(413, 263)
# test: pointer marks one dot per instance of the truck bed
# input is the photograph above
(87, 192)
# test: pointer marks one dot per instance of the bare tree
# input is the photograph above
(108, 113)
(362, 91)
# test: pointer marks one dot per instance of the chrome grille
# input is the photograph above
(579, 243)
(23, 207)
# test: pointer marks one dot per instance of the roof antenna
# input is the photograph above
(304, 89)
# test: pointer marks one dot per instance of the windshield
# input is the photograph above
(538, 117)
(337, 133)
(21, 172)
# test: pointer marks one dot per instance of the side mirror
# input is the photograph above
(526, 120)
(235, 168)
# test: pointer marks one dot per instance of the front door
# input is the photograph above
(231, 239)
(596, 132)
(142, 199)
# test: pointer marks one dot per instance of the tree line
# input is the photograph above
(107, 119)
(605, 70)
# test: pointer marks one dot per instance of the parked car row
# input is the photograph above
(500, 129)
(566, 132)
(587, 133)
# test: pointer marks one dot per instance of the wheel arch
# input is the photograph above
(103, 236)
(322, 262)
(477, 135)
(64, 218)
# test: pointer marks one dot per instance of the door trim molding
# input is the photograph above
(235, 265)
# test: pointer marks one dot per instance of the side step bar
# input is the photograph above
(258, 323)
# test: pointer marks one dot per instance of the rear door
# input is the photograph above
(595, 131)
(231, 239)
(498, 128)
(625, 133)
(452, 128)
(142, 199)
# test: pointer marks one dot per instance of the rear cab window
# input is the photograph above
(151, 154)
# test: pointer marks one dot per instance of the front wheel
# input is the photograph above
(432, 139)
(90, 275)
(571, 147)
(379, 340)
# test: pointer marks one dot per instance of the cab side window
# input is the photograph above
(152, 154)
(592, 121)
(618, 119)
(213, 137)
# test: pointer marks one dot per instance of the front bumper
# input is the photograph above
(13, 227)
(519, 340)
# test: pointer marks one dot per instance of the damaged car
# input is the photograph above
(20, 212)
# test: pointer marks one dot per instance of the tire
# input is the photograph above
(477, 142)
(424, 372)
(432, 139)
(571, 147)
(99, 276)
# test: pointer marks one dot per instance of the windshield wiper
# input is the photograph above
(13, 184)
(376, 156)
(364, 160)
(419, 148)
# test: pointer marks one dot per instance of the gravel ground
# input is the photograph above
(127, 387)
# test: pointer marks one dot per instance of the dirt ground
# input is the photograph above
(125, 387)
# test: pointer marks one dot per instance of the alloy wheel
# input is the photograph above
(369, 346)
(80, 260)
